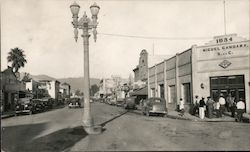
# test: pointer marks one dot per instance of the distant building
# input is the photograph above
(32, 87)
(221, 66)
(111, 86)
(11, 87)
(52, 86)
(141, 73)
(141, 70)
(65, 90)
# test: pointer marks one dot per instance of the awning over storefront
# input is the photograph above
(140, 92)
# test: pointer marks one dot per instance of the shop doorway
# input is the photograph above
(186, 92)
(172, 94)
(161, 86)
(235, 85)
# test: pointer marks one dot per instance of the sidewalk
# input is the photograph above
(187, 116)
(7, 114)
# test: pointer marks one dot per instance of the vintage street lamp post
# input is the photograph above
(86, 24)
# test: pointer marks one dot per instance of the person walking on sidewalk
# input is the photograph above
(240, 110)
(202, 105)
(182, 110)
(210, 107)
(222, 102)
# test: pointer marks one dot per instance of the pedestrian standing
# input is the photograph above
(181, 106)
(222, 102)
(230, 102)
(202, 108)
(217, 109)
(210, 103)
(233, 109)
(240, 110)
(196, 106)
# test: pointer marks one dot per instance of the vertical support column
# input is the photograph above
(87, 119)
(193, 75)
(177, 85)
(165, 83)
(156, 88)
(148, 83)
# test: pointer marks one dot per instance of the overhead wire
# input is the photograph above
(154, 37)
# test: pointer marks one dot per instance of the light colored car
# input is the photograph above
(75, 103)
(154, 105)
(112, 101)
(120, 102)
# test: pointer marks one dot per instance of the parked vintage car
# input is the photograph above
(74, 103)
(21, 108)
(28, 106)
(155, 106)
(38, 106)
(112, 101)
(130, 103)
(47, 103)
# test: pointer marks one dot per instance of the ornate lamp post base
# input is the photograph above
(89, 127)
(93, 130)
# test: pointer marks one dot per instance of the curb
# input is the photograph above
(7, 116)
(197, 120)
(176, 117)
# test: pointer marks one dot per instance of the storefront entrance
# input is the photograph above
(227, 84)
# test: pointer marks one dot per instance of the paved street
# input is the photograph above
(60, 130)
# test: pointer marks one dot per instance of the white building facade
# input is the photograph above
(221, 66)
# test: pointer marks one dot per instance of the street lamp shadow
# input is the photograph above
(106, 122)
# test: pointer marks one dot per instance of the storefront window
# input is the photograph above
(240, 79)
(215, 80)
(232, 80)
(223, 80)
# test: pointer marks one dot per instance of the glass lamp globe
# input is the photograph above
(94, 9)
(74, 9)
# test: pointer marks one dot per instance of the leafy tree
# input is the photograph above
(77, 92)
(17, 57)
(93, 89)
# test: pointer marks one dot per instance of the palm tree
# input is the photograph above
(17, 57)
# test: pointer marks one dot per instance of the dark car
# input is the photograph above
(130, 103)
(155, 106)
(74, 103)
(24, 108)
(47, 103)
(38, 106)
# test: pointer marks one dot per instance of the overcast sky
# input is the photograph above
(43, 29)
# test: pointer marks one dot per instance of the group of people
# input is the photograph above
(219, 106)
